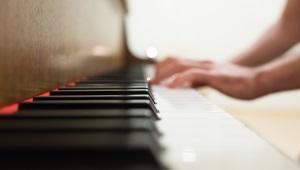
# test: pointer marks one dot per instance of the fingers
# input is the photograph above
(205, 64)
(172, 65)
(192, 77)
(166, 69)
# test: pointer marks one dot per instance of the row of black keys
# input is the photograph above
(105, 122)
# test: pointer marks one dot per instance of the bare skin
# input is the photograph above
(254, 73)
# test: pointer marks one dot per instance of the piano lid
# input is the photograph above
(47, 43)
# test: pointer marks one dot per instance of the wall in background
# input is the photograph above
(199, 29)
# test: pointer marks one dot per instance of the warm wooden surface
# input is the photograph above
(280, 127)
(46, 43)
(276, 118)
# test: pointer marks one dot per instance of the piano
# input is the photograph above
(73, 96)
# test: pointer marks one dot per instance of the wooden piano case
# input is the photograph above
(44, 44)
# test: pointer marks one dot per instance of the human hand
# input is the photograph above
(173, 65)
(230, 79)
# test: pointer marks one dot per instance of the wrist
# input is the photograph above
(264, 81)
(236, 60)
(244, 59)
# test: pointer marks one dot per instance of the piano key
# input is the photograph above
(122, 76)
(125, 72)
(96, 88)
(79, 160)
(103, 92)
(89, 104)
(77, 113)
(69, 140)
(118, 80)
(84, 82)
(111, 85)
(94, 97)
(125, 81)
(119, 77)
(106, 147)
(128, 72)
(83, 124)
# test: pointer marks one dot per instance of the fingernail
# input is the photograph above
(168, 83)
(164, 83)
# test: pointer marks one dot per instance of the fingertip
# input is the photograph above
(171, 86)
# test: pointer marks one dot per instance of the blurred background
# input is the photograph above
(219, 30)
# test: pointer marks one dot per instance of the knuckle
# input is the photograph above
(192, 71)
(178, 76)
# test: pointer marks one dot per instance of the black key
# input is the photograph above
(71, 125)
(72, 113)
(103, 92)
(75, 139)
(95, 150)
(116, 86)
(126, 81)
(119, 77)
(89, 104)
(79, 160)
(118, 80)
(94, 97)
(128, 72)
(84, 82)
(100, 88)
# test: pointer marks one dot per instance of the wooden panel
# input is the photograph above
(47, 43)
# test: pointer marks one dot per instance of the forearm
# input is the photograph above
(271, 45)
(276, 41)
(279, 75)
